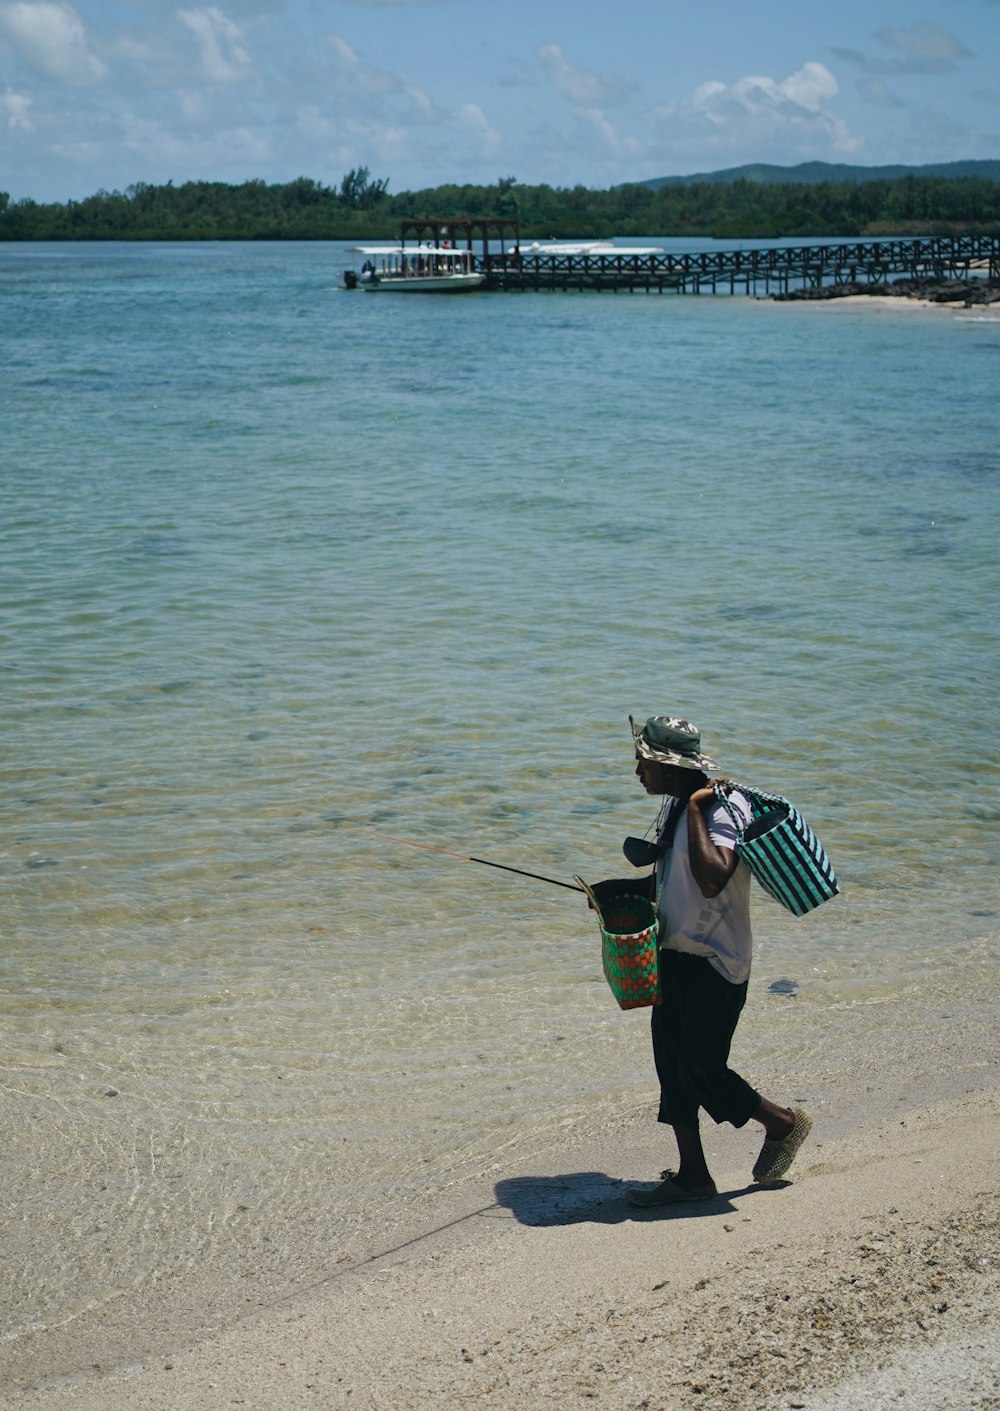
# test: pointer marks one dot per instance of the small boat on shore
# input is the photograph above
(419, 269)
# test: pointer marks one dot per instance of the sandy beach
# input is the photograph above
(989, 312)
(295, 1117)
(979, 296)
(870, 1279)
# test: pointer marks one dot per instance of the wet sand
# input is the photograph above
(899, 301)
(955, 307)
(870, 1278)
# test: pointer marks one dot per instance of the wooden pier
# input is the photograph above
(752, 271)
(498, 253)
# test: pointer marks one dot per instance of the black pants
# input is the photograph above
(692, 1032)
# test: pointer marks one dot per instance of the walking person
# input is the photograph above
(704, 965)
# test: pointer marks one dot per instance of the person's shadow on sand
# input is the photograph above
(592, 1197)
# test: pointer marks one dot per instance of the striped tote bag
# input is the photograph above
(782, 851)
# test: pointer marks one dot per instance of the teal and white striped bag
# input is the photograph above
(782, 851)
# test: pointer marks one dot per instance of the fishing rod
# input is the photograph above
(483, 861)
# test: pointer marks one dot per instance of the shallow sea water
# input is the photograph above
(285, 567)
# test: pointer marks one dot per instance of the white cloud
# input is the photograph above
(759, 114)
(222, 49)
(50, 36)
(925, 44)
(924, 49)
(471, 120)
(233, 148)
(874, 91)
(581, 86)
(613, 145)
(812, 86)
(378, 108)
(14, 111)
(422, 107)
(160, 13)
(135, 51)
(588, 94)
(352, 75)
(191, 105)
(314, 126)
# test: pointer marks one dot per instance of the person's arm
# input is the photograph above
(711, 865)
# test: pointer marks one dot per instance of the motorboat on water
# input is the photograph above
(417, 269)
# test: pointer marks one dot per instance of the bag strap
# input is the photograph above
(722, 796)
(666, 839)
(762, 797)
(595, 904)
(760, 800)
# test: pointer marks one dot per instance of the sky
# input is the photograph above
(101, 94)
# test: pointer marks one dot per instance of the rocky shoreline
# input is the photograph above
(968, 292)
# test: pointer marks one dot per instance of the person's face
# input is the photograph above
(658, 778)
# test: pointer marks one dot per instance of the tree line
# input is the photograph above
(362, 209)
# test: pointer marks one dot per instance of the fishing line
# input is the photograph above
(483, 861)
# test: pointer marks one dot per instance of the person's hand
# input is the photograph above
(707, 792)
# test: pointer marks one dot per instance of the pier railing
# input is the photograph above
(766, 269)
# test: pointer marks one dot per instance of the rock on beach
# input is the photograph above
(968, 292)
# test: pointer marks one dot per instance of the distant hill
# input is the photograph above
(811, 173)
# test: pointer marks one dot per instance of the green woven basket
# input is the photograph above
(629, 928)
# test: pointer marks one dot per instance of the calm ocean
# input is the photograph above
(282, 565)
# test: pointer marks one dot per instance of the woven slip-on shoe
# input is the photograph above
(668, 1192)
(776, 1157)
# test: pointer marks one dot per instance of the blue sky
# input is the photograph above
(100, 94)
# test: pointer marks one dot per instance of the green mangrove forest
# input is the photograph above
(361, 208)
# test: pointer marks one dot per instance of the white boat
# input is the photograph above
(417, 269)
(566, 247)
(603, 249)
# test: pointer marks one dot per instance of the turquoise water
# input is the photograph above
(283, 565)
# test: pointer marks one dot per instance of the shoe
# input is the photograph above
(776, 1157)
(668, 1192)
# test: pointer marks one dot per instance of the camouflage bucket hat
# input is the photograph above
(668, 740)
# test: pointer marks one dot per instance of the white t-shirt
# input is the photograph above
(716, 927)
